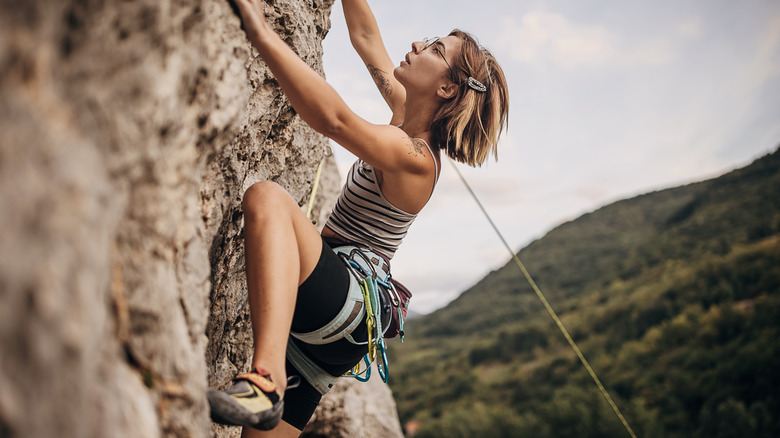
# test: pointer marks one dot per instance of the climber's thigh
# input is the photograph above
(323, 294)
(320, 299)
(267, 203)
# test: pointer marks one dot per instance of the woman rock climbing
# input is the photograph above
(448, 96)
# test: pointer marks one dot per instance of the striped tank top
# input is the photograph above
(363, 215)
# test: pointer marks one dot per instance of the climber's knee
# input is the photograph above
(265, 197)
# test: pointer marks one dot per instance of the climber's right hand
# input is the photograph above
(253, 18)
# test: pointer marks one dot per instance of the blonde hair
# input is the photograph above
(467, 126)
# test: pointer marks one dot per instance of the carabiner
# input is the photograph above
(370, 324)
(383, 368)
(394, 293)
(357, 251)
(368, 370)
(358, 275)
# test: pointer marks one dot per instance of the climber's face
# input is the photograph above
(427, 67)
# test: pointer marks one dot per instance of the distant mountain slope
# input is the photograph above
(674, 296)
(619, 241)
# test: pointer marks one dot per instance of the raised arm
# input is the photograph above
(383, 146)
(367, 41)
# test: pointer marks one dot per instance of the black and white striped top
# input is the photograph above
(362, 213)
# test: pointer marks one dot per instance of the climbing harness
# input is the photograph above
(547, 306)
(372, 295)
(320, 379)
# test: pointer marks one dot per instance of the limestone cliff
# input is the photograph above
(128, 133)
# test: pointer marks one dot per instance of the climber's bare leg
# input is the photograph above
(283, 430)
(282, 249)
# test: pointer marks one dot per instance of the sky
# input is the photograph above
(608, 100)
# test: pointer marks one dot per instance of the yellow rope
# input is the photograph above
(548, 307)
(314, 189)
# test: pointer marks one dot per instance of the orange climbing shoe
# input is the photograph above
(252, 401)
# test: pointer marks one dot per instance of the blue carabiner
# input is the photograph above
(384, 368)
(368, 371)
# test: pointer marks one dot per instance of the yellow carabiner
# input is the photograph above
(370, 323)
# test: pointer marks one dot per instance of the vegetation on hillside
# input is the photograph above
(673, 296)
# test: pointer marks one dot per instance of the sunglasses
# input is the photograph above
(428, 42)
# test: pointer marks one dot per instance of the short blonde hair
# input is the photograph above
(467, 126)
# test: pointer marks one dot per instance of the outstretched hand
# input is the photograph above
(252, 17)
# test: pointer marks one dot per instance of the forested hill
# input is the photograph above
(674, 296)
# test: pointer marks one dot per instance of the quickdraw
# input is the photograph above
(369, 285)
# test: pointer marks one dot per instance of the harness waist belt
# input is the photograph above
(343, 324)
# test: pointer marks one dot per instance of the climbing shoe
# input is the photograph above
(252, 401)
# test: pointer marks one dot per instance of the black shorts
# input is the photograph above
(320, 299)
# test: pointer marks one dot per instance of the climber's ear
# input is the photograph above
(447, 91)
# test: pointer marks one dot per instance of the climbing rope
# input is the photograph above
(316, 185)
(547, 306)
(314, 189)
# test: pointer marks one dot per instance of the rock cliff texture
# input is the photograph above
(128, 133)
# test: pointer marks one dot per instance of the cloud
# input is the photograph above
(544, 38)
(766, 62)
(691, 28)
(657, 51)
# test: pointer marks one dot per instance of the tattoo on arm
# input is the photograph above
(381, 80)
(416, 147)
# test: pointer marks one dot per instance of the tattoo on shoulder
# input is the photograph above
(381, 80)
(417, 147)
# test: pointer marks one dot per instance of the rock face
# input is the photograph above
(128, 133)
(354, 409)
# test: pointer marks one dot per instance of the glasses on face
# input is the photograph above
(428, 42)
